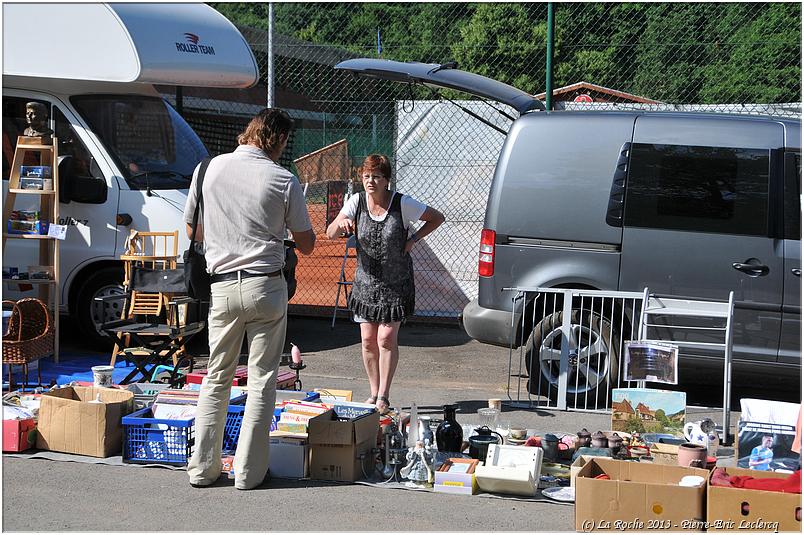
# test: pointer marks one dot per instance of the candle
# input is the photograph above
(295, 354)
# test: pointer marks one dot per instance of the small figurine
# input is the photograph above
(419, 470)
(36, 115)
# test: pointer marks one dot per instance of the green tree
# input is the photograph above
(500, 42)
(634, 425)
(758, 61)
(662, 418)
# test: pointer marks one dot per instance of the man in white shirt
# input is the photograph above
(248, 202)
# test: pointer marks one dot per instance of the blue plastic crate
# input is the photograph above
(234, 420)
(149, 440)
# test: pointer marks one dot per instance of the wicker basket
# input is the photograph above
(30, 334)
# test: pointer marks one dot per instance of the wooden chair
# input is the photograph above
(153, 250)
(30, 336)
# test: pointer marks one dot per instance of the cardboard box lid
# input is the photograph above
(667, 449)
(84, 394)
(327, 429)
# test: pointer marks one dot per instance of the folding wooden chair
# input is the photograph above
(343, 282)
(154, 330)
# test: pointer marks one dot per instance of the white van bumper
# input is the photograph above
(487, 325)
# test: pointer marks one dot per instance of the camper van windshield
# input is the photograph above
(153, 145)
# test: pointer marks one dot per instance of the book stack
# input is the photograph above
(175, 404)
(296, 414)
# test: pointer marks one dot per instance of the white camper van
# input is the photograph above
(126, 156)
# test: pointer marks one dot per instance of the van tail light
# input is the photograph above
(485, 265)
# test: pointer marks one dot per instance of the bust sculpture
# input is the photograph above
(36, 115)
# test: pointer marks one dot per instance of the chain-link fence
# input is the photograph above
(728, 57)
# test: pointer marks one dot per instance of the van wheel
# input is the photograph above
(593, 358)
(90, 314)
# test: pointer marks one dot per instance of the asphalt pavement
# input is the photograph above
(439, 364)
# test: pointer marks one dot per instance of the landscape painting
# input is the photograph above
(647, 410)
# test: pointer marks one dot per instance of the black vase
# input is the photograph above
(449, 435)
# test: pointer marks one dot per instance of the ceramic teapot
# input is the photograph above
(479, 443)
(599, 440)
(695, 435)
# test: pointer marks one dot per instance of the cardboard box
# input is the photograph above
(335, 446)
(638, 497)
(289, 457)
(579, 463)
(19, 435)
(664, 454)
(765, 511)
(70, 420)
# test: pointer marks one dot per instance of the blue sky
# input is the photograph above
(668, 400)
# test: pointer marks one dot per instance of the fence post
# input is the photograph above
(566, 337)
(548, 95)
(269, 76)
(179, 101)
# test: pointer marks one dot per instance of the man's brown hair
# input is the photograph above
(265, 129)
(377, 162)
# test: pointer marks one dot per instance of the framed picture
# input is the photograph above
(648, 411)
(766, 432)
(459, 466)
(654, 362)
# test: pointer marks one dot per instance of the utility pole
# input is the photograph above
(548, 100)
(269, 75)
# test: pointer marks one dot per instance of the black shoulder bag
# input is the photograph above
(196, 278)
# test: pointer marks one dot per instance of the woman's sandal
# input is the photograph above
(383, 405)
(372, 400)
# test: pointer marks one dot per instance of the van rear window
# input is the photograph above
(700, 189)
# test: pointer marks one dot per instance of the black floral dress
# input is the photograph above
(383, 290)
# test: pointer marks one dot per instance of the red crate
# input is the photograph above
(285, 379)
(240, 378)
(19, 435)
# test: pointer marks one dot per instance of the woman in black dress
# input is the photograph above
(383, 292)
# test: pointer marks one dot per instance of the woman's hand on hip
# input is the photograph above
(346, 225)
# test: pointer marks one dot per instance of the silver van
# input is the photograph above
(689, 204)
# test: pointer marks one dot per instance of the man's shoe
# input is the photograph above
(266, 479)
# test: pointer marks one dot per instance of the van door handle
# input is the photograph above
(796, 272)
(752, 270)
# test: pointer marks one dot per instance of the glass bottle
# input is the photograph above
(449, 435)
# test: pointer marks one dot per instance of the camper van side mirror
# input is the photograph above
(79, 188)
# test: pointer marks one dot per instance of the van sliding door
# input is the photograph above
(698, 220)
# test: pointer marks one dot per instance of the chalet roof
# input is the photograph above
(643, 409)
(622, 406)
(586, 87)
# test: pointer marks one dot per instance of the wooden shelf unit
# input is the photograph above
(48, 154)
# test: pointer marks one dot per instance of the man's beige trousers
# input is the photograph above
(256, 307)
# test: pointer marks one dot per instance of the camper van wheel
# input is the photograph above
(91, 315)
(593, 358)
